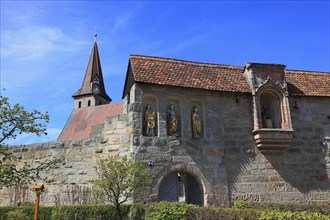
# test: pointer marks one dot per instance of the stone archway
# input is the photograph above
(181, 186)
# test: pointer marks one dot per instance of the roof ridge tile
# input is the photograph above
(165, 59)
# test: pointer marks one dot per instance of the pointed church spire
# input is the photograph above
(92, 91)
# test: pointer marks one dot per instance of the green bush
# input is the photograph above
(278, 215)
(17, 214)
(201, 213)
(240, 204)
(4, 210)
(100, 212)
(293, 207)
(170, 211)
(27, 210)
(45, 213)
(167, 211)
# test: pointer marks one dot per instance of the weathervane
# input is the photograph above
(95, 34)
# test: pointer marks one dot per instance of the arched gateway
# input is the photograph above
(181, 186)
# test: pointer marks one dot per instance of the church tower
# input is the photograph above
(92, 91)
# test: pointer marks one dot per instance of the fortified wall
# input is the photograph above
(70, 183)
(214, 133)
(225, 163)
(222, 166)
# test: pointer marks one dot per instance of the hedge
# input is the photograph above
(183, 211)
(99, 212)
(167, 211)
(201, 213)
(275, 214)
(170, 211)
(281, 206)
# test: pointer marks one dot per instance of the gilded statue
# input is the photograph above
(196, 123)
(172, 120)
(149, 121)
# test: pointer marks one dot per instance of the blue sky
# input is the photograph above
(45, 45)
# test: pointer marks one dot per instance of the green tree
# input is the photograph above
(120, 180)
(15, 120)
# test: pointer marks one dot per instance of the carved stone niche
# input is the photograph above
(271, 111)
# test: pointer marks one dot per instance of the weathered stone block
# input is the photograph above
(82, 172)
(181, 159)
(152, 150)
(230, 143)
(232, 151)
(123, 117)
(98, 151)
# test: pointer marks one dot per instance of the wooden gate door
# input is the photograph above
(194, 192)
(169, 188)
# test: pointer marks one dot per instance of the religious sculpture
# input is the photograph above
(196, 123)
(149, 121)
(265, 116)
(172, 121)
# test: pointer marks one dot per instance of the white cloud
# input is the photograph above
(121, 21)
(30, 42)
(185, 43)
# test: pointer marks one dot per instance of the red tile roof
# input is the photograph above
(173, 72)
(81, 120)
(308, 83)
(218, 77)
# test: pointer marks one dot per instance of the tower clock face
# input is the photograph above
(95, 86)
(96, 89)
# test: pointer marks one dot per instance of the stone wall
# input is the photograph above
(300, 174)
(70, 183)
(225, 161)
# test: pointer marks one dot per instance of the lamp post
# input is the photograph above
(38, 188)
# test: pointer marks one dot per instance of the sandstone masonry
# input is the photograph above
(265, 137)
